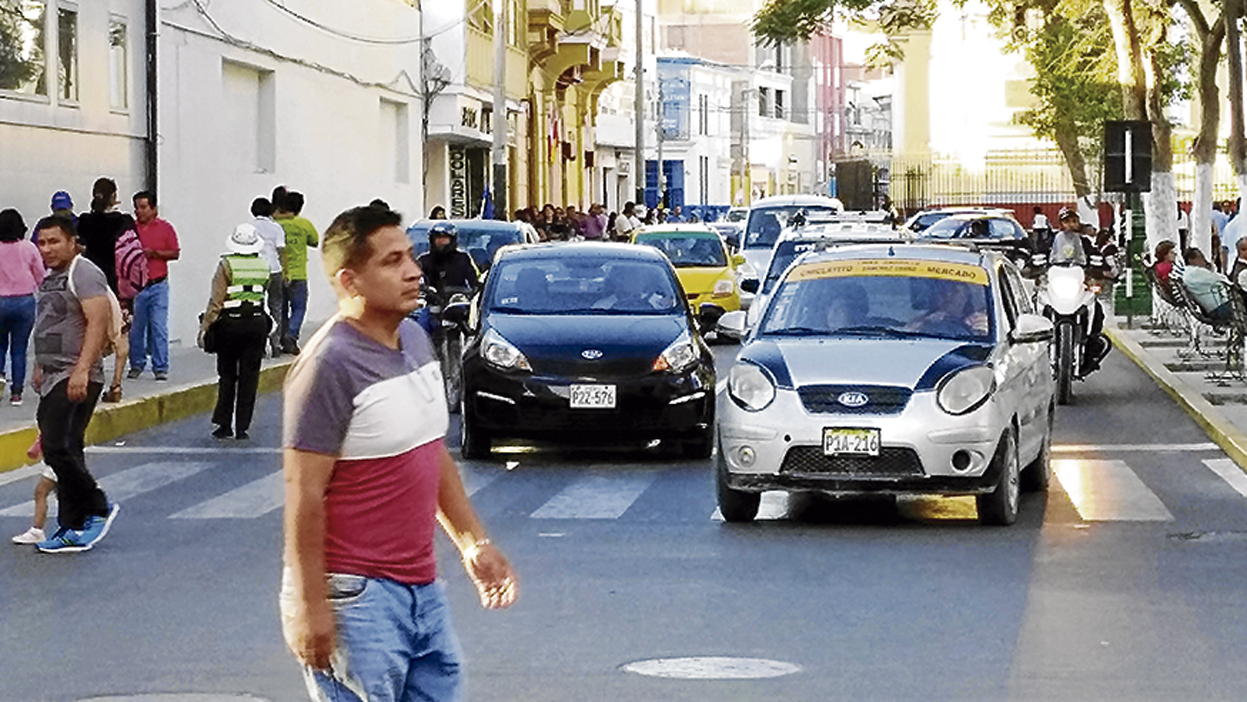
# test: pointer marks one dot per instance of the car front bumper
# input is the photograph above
(529, 406)
(923, 450)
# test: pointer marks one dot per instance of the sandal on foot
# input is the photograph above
(113, 394)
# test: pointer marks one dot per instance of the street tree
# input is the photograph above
(1210, 39)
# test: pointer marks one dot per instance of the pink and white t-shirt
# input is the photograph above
(382, 412)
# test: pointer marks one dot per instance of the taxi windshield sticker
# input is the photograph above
(939, 270)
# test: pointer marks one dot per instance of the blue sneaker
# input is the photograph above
(65, 540)
(97, 527)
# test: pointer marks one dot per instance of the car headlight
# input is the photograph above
(679, 355)
(499, 352)
(966, 389)
(750, 387)
(724, 288)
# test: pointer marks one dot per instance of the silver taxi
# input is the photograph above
(890, 369)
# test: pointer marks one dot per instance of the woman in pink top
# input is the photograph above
(21, 271)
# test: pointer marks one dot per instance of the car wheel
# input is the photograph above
(1000, 506)
(474, 442)
(1039, 472)
(734, 505)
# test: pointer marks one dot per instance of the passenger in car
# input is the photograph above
(953, 307)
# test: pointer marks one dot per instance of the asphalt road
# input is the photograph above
(1124, 582)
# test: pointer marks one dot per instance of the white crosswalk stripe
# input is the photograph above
(255, 499)
(598, 494)
(1229, 472)
(126, 484)
(1109, 491)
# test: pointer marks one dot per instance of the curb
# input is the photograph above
(129, 416)
(1223, 433)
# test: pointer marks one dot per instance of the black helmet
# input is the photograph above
(444, 229)
(1068, 213)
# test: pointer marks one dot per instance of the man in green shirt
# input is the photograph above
(300, 234)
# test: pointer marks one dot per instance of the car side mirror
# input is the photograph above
(738, 260)
(1032, 328)
(732, 324)
(749, 285)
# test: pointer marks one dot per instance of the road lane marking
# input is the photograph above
(182, 450)
(126, 484)
(475, 480)
(599, 494)
(1108, 491)
(255, 499)
(1132, 448)
(773, 505)
(20, 474)
(1229, 472)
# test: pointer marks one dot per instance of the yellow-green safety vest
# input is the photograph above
(248, 279)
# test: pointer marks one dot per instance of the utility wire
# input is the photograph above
(372, 40)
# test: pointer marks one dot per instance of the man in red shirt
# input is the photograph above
(149, 335)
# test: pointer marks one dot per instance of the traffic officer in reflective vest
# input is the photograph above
(240, 325)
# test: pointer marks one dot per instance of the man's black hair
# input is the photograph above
(261, 207)
(145, 195)
(65, 224)
(279, 197)
(378, 202)
(293, 202)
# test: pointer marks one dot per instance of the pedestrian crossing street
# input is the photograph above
(1099, 489)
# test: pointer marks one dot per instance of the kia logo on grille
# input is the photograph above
(591, 354)
(853, 399)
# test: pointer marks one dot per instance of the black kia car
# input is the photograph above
(586, 343)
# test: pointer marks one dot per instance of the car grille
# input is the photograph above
(891, 463)
(884, 399)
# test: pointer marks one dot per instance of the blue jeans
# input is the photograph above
(296, 307)
(395, 643)
(150, 332)
(17, 319)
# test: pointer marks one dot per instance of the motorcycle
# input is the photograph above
(1068, 299)
(447, 323)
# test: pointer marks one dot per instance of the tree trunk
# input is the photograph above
(1205, 148)
(1162, 220)
(1234, 60)
(1129, 58)
(1066, 134)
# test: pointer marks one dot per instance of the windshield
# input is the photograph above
(736, 215)
(785, 253)
(955, 228)
(481, 245)
(882, 298)
(688, 251)
(765, 224)
(583, 285)
(922, 221)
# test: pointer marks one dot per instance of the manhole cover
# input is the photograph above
(712, 668)
(1210, 536)
(176, 697)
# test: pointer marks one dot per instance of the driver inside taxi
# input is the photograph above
(953, 307)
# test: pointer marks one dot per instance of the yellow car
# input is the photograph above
(706, 270)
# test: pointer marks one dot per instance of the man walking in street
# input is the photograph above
(367, 477)
(70, 328)
(274, 238)
(300, 234)
(149, 334)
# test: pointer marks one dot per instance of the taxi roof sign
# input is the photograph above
(909, 268)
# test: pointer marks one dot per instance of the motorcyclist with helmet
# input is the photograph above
(1069, 246)
(445, 267)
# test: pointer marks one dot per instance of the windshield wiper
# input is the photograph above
(877, 330)
(794, 331)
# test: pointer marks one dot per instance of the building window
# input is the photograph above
(779, 104)
(764, 97)
(23, 63)
(118, 65)
(396, 137)
(67, 53)
(250, 106)
(703, 112)
(704, 178)
(481, 16)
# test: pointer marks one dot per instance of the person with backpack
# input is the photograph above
(71, 327)
(149, 335)
(102, 232)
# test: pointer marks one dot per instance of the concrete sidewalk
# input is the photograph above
(190, 389)
(1219, 406)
